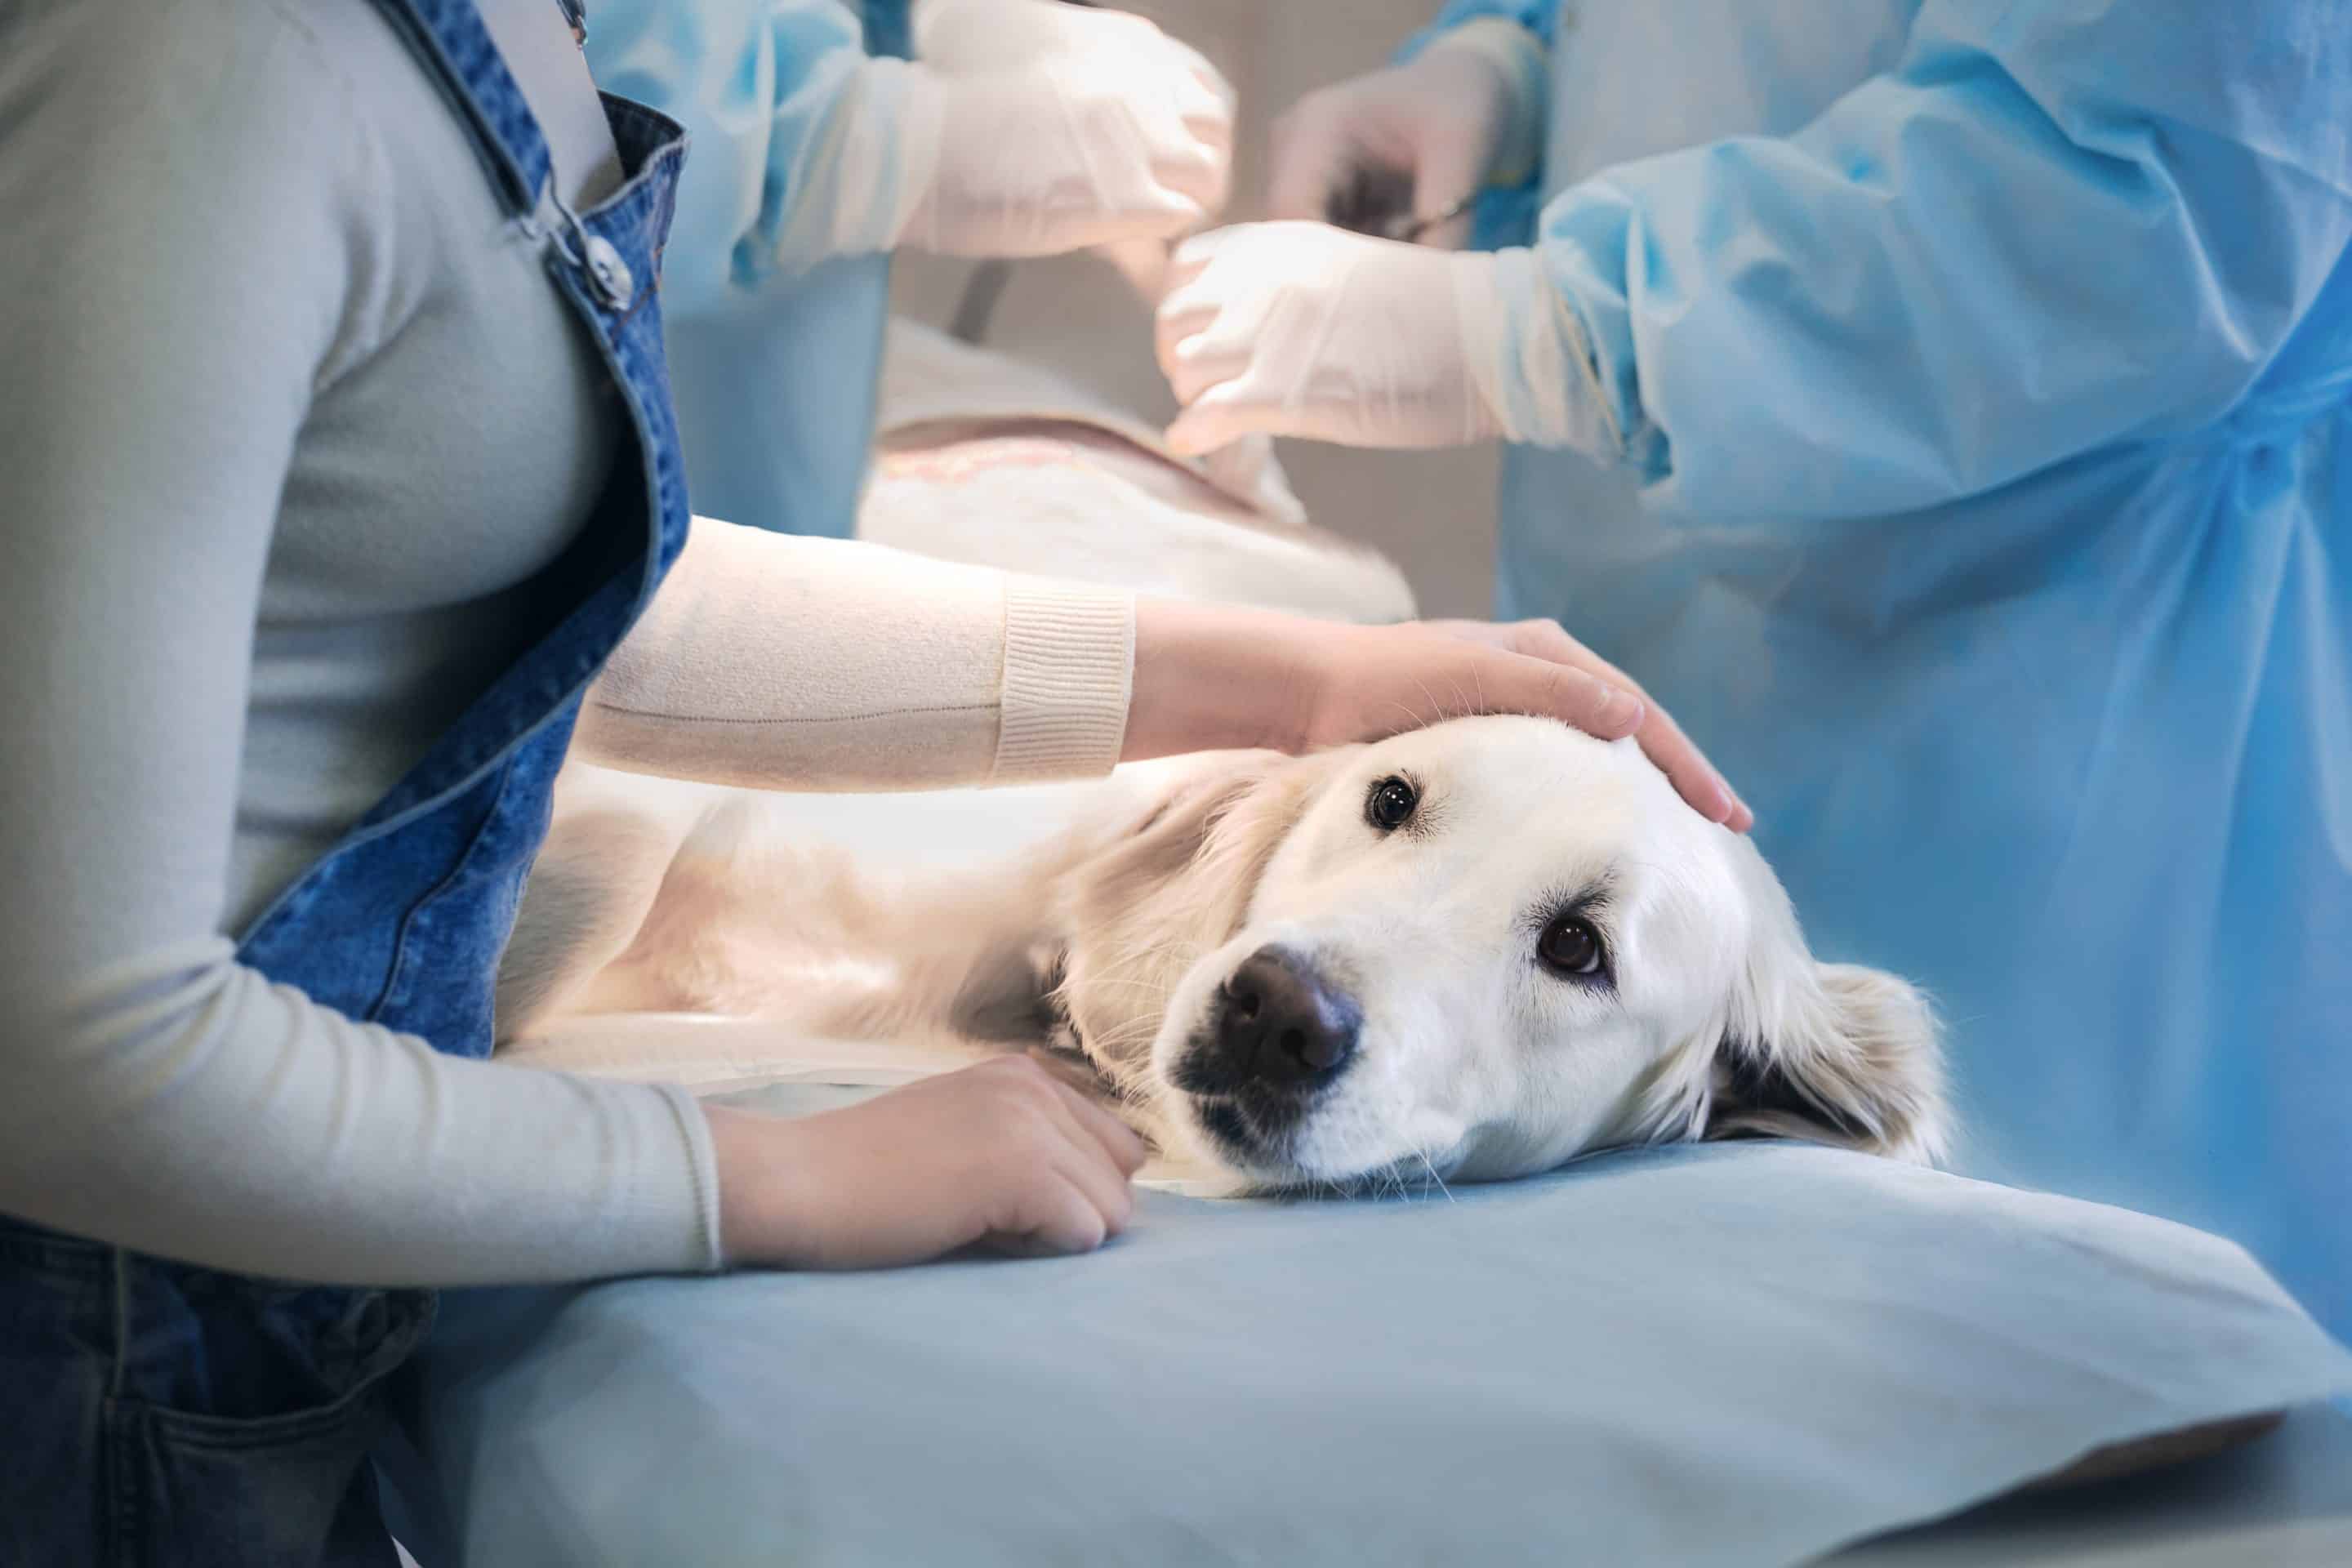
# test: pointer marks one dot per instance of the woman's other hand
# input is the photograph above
(1000, 1155)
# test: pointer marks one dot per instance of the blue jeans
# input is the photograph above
(226, 1421)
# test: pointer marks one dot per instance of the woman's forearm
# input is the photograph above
(816, 664)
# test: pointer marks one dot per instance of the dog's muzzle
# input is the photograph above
(1275, 1031)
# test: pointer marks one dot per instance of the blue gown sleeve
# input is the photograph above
(2052, 226)
(762, 87)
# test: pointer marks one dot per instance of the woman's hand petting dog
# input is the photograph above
(1661, 739)
(1000, 1155)
(1211, 677)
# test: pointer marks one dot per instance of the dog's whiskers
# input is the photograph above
(1423, 1155)
(1129, 1032)
(1150, 987)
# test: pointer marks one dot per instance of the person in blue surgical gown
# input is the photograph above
(1945, 410)
(1019, 128)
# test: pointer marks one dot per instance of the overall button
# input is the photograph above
(613, 280)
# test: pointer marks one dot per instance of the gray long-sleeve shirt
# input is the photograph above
(290, 423)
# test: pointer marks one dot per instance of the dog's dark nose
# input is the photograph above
(1281, 1026)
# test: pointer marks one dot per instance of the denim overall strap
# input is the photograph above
(448, 848)
(189, 1416)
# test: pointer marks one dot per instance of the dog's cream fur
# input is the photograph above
(1475, 1061)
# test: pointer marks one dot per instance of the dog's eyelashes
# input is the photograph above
(1569, 946)
(1390, 804)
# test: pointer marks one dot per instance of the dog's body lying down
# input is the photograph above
(1475, 951)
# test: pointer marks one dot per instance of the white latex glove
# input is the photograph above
(1057, 127)
(1415, 140)
(1299, 328)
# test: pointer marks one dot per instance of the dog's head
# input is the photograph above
(1477, 949)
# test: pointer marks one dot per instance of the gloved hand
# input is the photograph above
(1052, 127)
(1300, 329)
(1414, 141)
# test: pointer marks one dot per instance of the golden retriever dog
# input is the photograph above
(1472, 952)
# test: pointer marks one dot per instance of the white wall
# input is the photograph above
(1433, 512)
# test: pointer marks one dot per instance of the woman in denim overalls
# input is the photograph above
(226, 1419)
(161, 1412)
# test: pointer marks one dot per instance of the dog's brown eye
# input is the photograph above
(1390, 804)
(1569, 946)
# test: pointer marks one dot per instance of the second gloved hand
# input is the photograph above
(1297, 328)
(1416, 140)
(1051, 128)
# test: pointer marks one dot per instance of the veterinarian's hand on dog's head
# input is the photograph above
(1000, 1155)
(1208, 678)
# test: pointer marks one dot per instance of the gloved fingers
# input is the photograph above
(1172, 131)
(1182, 134)
(1232, 292)
(1170, 340)
(1220, 416)
(1311, 158)
(1210, 313)
(1189, 297)
(1203, 159)
(1184, 312)
(1191, 259)
(1451, 171)
(1268, 253)
(1300, 330)
(1155, 214)
(1211, 129)
(1201, 121)
(1206, 336)
(1142, 261)
(1176, 322)
(1104, 21)
(1205, 72)
(1199, 185)
(1246, 407)
(1331, 411)
(1187, 313)
(1205, 99)
(1168, 211)
(1201, 363)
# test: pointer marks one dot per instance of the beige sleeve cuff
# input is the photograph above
(780, 662)
(1069, 673)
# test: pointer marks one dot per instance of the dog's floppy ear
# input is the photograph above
(1834, 1052)
(1166, 884)
(1215, 829)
